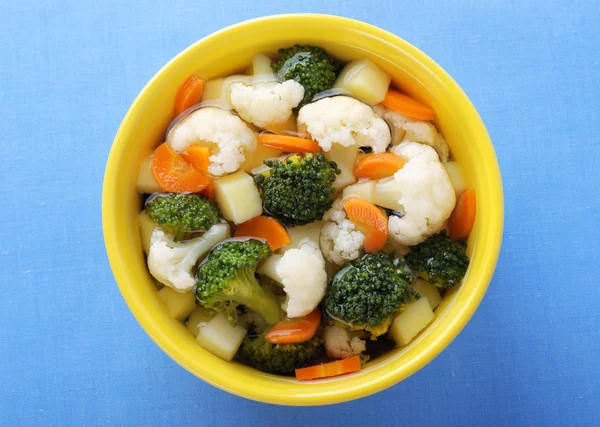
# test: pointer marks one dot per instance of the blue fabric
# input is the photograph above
(72, 354)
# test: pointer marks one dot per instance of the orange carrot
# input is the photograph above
(267, 228)
(209, 191)
(197, 156)
(173, 174)
(463, 217)
(290, 144)
(377, 166)
(370, 220)
(189, 94)
(403, 104)
(331, 369)
(299, 329)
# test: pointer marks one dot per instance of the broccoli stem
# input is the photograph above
(246, 290)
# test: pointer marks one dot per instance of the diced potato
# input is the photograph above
(345, 158)
(411, 321)
(427, 290)
(145, 179)
(220, 338)
(238, 197)
(199, 317)
(180, 304)
(386, 194)
(261, 69)
(286, 128)
(217, 90)
(257, 158)
(147, 226)
(269, 268)
(310, 231)
(365, 81)
(456, 177)
(363, 189)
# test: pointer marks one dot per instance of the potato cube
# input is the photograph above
(216, 91)
(238, 198)
(199, 317)
(147, 226)
(145, 179)
(259, 156)
(180, 305)
(220, 338)
(411, 321)
(427, 290)
(365, 81)
(456, 177)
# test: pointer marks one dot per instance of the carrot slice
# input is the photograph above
(463, 217)
(209, 190)
(299, 329)
(403, 104)
(173, 174)
(265, 227)
(197, 156)
(377, 166)
(370, 220)
(331, 369)
(189, 94)
(291, 144)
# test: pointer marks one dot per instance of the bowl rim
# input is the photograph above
(445, 337)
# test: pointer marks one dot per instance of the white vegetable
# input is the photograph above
(423, 191)
(409, 129)
(301, 233)
(145, 180)
(341, 343)
(427, 290)
(269, 268)
(303, 277)
(266, 101)
(220, 338)
(364, 80)
(227, 136)
(171, 262)
(147, 227)
(180, 305)
(257, 158)
(363, 189)
(237, 197)
(346, 121)
(411, 321)
(345, 159)
(456, 177)
(340, 240)
(199, 317)
(216, 91)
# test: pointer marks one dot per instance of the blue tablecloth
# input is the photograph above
(71, 353)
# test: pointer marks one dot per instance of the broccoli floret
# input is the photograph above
(439, 260)
(298, 190)
(280, 359)
(182, 214)
(311, 66)
(226, 279)
(369, 291)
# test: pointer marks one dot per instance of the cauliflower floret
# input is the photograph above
(341, 343)
(424, 193)
(340, 240)
(304, 280)
(409, 129)
(346, 121)
(171, 262)
(227, 136)
(266, 104)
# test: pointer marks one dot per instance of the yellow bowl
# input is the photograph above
(229, 51)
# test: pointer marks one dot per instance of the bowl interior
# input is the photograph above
(230, 51)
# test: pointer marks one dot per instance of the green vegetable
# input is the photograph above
(182, 214)
(280, 359)
(369, 291)
(298, 190)
(439, 260)
(311, 66)
(226, 279)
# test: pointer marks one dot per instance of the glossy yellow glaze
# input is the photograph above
(229, 51)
